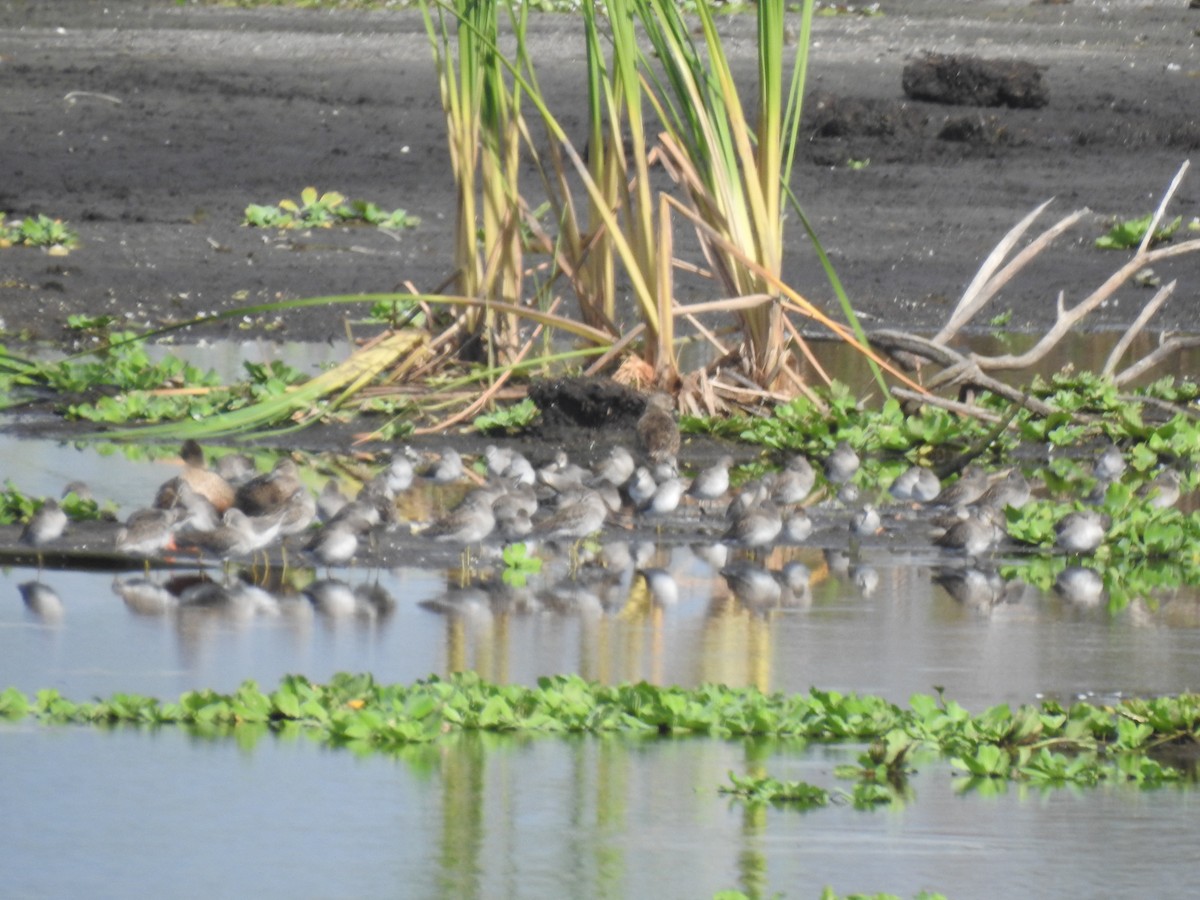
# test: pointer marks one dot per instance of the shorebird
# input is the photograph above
(235, 468)
(44, 526)
(640, 487)
(916, 483)
(498, 459)
(975, 534)
(235, 536)
(757, 527)
(797, 526)
(967, 490)
(1109, 465)
(575, 519)
(333, 545)
(148, 532)
(447, 469)
(468, 523)
(210, 485)
(1081, 532)
(1011, 490)
(841, 464)
(514, 526)
(657, 431)
(331, 500)
(794, 482)
(521, 471)
(666, 497)
(711, 483)
(1163, 491)
(617, 467)
(267, 494)
(866, 521)
(396, 478)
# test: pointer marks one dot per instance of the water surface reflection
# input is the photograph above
(879, 622)
(482, 816)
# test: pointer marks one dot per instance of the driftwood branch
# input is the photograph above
(1147, 313)
(1167, 348)
(955, 370)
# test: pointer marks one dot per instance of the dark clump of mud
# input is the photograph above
(586, 403)
(971, 81)
(834, 116)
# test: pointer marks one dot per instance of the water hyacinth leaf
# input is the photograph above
(13, 704)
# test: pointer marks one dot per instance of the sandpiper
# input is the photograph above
(757, 527)
(975, 534)
(514, 526)
(1110, 465)
(641, 487)
(666, 497)
(711, 483)
(916, 483)
(866, 521)
(468, 523)
(841, 464)
(267, 494)
(331, 500)
(447, 469)
(497, 459)
(967, 490)
(1163, 491)
(1011, 490)
(617, 467)
(797, 526)
(1081, 532)
(794, 483)
(148, 532)
(44, 526)
(575, 519)
(235, 536)
(333, 545)
(521, 471)
(657, 431)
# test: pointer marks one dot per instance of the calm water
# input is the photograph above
(164, 813)
(98, 813)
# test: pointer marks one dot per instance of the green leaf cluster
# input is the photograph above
(1128, 234)
(1046, 744)
(507, 418)
(37, 231)
(765, 789)
(315, 210)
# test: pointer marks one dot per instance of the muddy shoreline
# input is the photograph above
(219, 108)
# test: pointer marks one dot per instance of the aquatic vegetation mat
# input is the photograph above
(1047, 745)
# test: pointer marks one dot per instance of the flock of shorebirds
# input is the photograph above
(230, 511)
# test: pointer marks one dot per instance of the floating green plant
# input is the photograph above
(37, 231)
(1048, 744)
(765, 789)
(1129, 233)
(316, 210)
